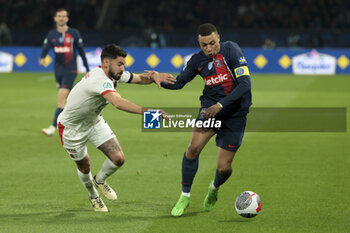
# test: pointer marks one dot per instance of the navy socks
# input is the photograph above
(221, 178)
(189, 170)
(57, 112)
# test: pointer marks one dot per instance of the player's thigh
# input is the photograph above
(199, 139)
(103, 138)
(231, 133)
(73, 141)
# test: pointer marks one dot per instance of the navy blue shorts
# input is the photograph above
(65, 81)
(229, 136)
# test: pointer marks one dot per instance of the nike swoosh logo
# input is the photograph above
(200, 68)
(230, 146)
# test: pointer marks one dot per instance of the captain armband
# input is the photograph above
(241, 71)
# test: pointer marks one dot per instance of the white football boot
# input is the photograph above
(49, 131)
(98, 204)
(106, 190)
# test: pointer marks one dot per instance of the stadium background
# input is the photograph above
(301, 177)
(280, 29)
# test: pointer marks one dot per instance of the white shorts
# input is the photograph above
(74, 141)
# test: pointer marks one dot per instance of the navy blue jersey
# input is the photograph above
(226, 78)
(64, 46)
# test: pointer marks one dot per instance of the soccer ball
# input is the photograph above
(248, 204)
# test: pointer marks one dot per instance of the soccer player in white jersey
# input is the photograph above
(81, 121)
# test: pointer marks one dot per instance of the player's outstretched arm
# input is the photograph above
(123, 104)
(128, 106)
(153, 76)
(186, 75)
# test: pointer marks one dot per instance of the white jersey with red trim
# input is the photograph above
(85, 102)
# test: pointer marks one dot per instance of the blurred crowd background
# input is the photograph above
(173, 23)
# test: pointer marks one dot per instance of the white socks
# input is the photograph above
(212, 186)
(108, 168)
(86, 179)
(186, 194)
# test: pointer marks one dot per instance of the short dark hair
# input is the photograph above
(62, 9)
(206, 29)
(112, 51)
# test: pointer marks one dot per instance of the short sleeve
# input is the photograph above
(126, 77)
(106, 88)
(99, 85)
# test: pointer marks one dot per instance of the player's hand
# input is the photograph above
(42, 62)
(159, 112)
(164, 115)
(150, 73)
(212, 111)
(158, 78)
(163, 77)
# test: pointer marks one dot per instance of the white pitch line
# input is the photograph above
(46, 78)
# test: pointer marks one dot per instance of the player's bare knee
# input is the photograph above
(120, 161)
(224, 170)
(118, 158)
(85, 170)
(193, 151)
(84, 167)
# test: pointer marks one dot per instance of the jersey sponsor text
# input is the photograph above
(214, 80)
(62, 49)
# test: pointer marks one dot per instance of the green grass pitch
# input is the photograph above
(303, 179)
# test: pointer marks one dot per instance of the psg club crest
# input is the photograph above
(240, 71)
(218, 63)
(152, 119)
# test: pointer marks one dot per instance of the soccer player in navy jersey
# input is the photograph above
(227, 97)
(65, 41)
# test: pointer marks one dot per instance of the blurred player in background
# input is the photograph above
(227, 97)
(80, 121)
(65, 41)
